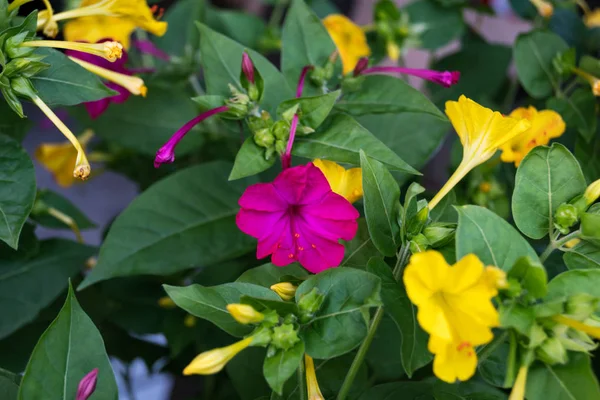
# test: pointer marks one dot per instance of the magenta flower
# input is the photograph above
(444, 78)
(248, 67)
(87, 385)
(166, 154)
(298, 218)
(147, 47)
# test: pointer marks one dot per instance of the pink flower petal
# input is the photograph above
(258, 224)
(317, 186)
(330, 228)
(332, 206)
(262, 197)
(97, 108)
(290, 184)
(316, 253)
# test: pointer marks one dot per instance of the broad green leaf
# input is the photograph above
(531, 275)
(569, 25)
(341, 139)
(493, 367)
(360, 249)
(533, 53)
(283, 308)
(250, 160)
(305, 42)
(578, 111)
(380, 94)
(9, 390)
(442, 24)
(269, 274)
(17, 191)
(182, 37)
(69, 349)
(143, 124)
(491, 238)
(64, 205)
(573, 282)
(583, 256)
(383, 357)
(210, 303)
(222, 61)
(397, 304)
(192, 224)
(66, 83)
(243, 27)
(281, 366)
(11, 124)
(588, 155)
(546, 178)
(348, 294)
(381, 199)
(313, 110)
(30, 285)
(572, 381)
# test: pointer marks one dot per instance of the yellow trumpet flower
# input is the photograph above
(245, 314)
(312, 385)
(132, 83)
(285, 290)
(518, 390)
(345, 182)
(110, 51)
(482, 132)
(212, 361)
(349, 39)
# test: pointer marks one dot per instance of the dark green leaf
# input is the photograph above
(493, 367)
(341, 139)
(11, 124)
(491, 238)
(245, 372)
(569, 25)
(583, 256)
(533, 53)
(443, 24)
(64, 205)
(17, 192)
(283, 308)
(269, 274)
(192, 224)
(400, 390)
(9, 390)
(313, 110)
(250, 160)
(381, 198)
(348, 292)
(397, 304)
(546, 178)
(573, 282)
(588, 155)
(210, 302)
(243, 27)
(182, 37)
(360, 249)
(578, 110)
(281, 366)
(70, 348)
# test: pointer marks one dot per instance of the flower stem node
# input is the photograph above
(552, 351)
(284, 337)
(565, 217)
(285, 290)
(245, 314)
(309, 304)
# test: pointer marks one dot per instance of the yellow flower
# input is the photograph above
(110, 51)
(245, 314)
(482, 132)
(212, 361)
(393, 51)
(592, 19)
(518, 390)
(345, 182)
(61, 158)
(349, 39)
(134, 84)
(545, 9)
(190, 321)
(592, 192)
(545, 125)
(285, 290)
(312, 385)
(453, 360)
(100, 19)
(166, 302)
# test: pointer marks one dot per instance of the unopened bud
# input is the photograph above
(166, 302)
(245, 314)
(592, 193)
(552, 351)
(248, 67)
(309, 304)
(281, 130)
(565, 217)
(280, 146)
(285, 290)
(87, 385)
(439, 234)
(264, 138)
(581, 306)
(284, 337)
(418, 244)
(257, 123)
(361, 65)
(575, 340)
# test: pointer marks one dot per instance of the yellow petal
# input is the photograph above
(464, 274)
(59, 159)
(453, 360)
(212, 361)
(425, 275)
(93, 29)
(349, 39)
(592, 19)
(346, 183)
(312, 385)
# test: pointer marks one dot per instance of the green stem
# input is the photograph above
(364, 347)
(555, 244)
(277, 13)
(301, 381)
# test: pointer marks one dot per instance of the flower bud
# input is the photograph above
(415, 224)
(309, 304)
(418, 244)
(281, 130)
(439, 234)
(264, 138)
(212, 361)
(23, 87)
(166, 302)
(581, 306)
(87, 385)
(280, 146)
(285, 290)
(565, 217)
(552, 352)
(248, 67)
(238, 107)
(575, 340)
(284, 337)
(361, 65)
(245, 314)
(592, 193)
(258, 123)
(537, 336)
(318, 76)
(352, 84)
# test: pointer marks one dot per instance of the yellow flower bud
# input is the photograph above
(166, 302)
(285, 290)
(245, 314)
(393, 51)
(572, 243)
(190, 321)
(592, 193)
(212, 361)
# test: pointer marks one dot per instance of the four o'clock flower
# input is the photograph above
(444, 78)
(349, 39)
(297, 217)
(87, 385)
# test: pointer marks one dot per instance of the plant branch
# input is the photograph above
(555, 244)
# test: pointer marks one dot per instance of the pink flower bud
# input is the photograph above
(361, 65)
(248, 67)
(87, 385)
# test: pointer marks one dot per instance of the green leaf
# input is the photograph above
(530, 273)
(55, 200)
(250, 160)
(546, 178)
(572, 381)
(381, 198)
(491, 238)
(66, 83)
(574, 282)
(383, 357)
(341, 139)
(397, 304)
(533, 53)
(381, 94)
(222, 61)
(583, 256)
(30, 285)
(150, 122)
(269, 274)
(9, 390)
(588, 155)
(281, 366)
(283, 308)
(70, 348)
(245, 372)
(442, 24)
(360, 249)
(210, 303)
(11, 124)
(17, 192)
(182, 37)
(313, 110)
(493, 367)
(339, 325)
(192, 224)
(578, 111)
(243, 27)
(305, 42)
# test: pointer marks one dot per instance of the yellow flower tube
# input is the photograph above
(312, 385)
(110, 51)
(212, 361)
(132, 83)
(545, 9)
(580, 326)
(482, 132)
(518, 390)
